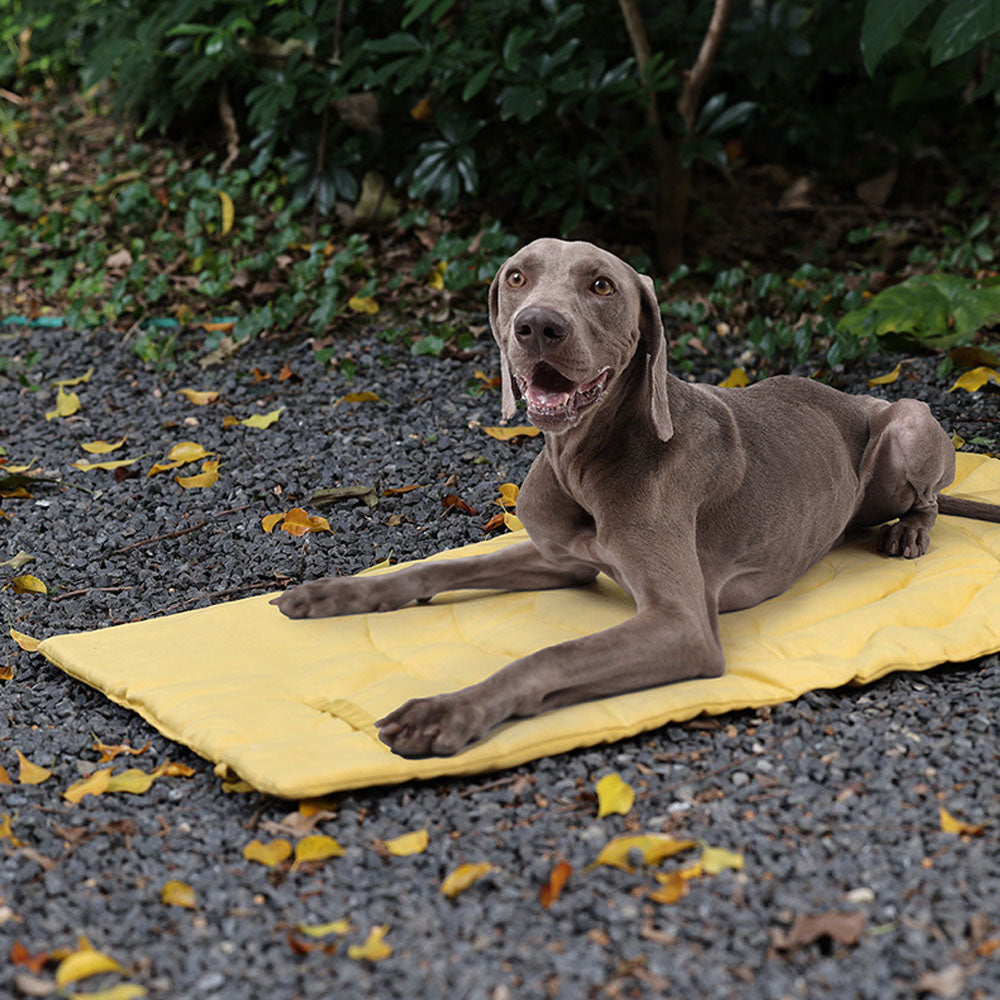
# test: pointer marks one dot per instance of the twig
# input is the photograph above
(9, 95)
(89, 590)
(687, 103)
(229, 592)
(177, 533)
(229, 126)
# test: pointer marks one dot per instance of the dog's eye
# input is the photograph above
(602, 286)
(515, 279)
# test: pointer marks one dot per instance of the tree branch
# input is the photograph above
(694, 79)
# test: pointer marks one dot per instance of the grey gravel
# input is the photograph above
(832, 799)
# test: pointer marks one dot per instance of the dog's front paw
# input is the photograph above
(903, 539)
(432, 727)
(337, 595)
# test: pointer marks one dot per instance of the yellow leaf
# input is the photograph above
(317, 847)
(374, 949)
(6, 833)
(421, 111)
(508, 495)
(407, 843)
(362, 304)
(675, 887)
(297, 522)
(270, 854)
(228, 212)
(463, 876)
(31, 774)
(84, 962)
(176, 893)
(614, 796)
(85, 377)
(117, 463)
(67, 403)
(552, 889)
(200, 397)
(229, 421)
(268, 521)
(208, 476)
(958, 442)
(716, 859)
(436, 277)
(736, 379)
(101, 447)
(506, 433)
(131, 780)
(180, 454)
(171, 768)
(358, 397)
(974, 380)
(123, 991)
(325, 803)
(262, 420)
(4, 780)
(949, 824)
(28, 584)
(512, 522)
(886, 378)
(26, 643)
(322, 930)
(653, 847)
(96, 784)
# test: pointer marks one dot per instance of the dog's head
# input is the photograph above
(570, 319)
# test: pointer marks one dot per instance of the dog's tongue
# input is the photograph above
(544, 399)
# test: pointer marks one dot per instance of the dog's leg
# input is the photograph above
(516, 567)
(908, 461)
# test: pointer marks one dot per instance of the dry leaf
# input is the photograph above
(396, 490)
(67, 403)
(263, 420)
(270, 854)
(31, 774)
(297, 522)
(495, 523)
(957, 441)
(845, 928)
(512, 522)
(228, 212)
(122, 991)
(176, 893)
(949, 824)
(736, 379)
(131, 780)
(614, 796)
(716, 859)
(171, 768)
(18, 561)
(310, 807)
(7, 833)
(374, 949)
(887, 378)
(436, 277)
(358, 397)
(86, 961)
(117, 463)
(407, 843)
(550, 892)
(26, 643)
(463, 876)
(362, 304)
(973, 380)
(674, 888)
(208, 476)
(200, 397)
(4, 776)
(947, 982)
(102, 447)
(342, 926)
(454, 500)
(509, 493)
(28, 584)
(85, 377)
(653, 847)
(110, 751)
(179, 454)
(422, 110)
(506, 433)
(317, 847)
(19, 955)
(95, 784)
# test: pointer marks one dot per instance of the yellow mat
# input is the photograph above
(289, 705)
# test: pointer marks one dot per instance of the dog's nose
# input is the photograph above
(539, 329)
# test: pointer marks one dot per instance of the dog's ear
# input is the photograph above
(508, 388)
(653, 342)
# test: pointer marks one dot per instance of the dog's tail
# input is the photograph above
(961, 507)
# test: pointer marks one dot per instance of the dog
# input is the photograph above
(695, 499)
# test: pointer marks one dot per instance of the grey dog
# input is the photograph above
(694, 499)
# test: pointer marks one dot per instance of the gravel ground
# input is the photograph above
(833, 800)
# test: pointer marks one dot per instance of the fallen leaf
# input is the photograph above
(176, 893)
(110, 751)
(972, 381)
(7, 832)
(180, 454)
(228, 212)
(550, 892)
(208, 476)
(263, 420)
(490, 383)
(422, 110)
(117, 463)
(407, 843)
(453, 500)
(317, 847)
(512, 522)
(342, 926)
(297, 522)
(85, 377)
(673, 889)
(463, 876)
(844, 928)
(957, 441)
(4, 776)
(887, 378)
(986, 948)
(67, 403)
(310, 807)
(358, 397)
(26, 643)
(325, 496)
(102, 447)
(28, 584)
(131, 780)
(653, 848)
(18, 561)
(171, 768)
(122, 991)
(200, 397)
(375, 948)
(949, 824)
(396, 490)
(495, 523)
(19, 955)
(362, 304)
(94, 784)
(506, 433)
(614, 796)
(947, 982)
(509, 493)
(270, 854)
(31, 774)
(436, 277)
(86, 961)
(6, 672)
(717, 859)
(736, 379)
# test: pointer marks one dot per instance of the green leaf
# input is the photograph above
(884, 24)
(963, 24)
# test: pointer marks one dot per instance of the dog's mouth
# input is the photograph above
(553, 400)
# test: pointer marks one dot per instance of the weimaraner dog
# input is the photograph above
(694, 499)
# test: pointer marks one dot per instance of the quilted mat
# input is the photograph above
(289, 705)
